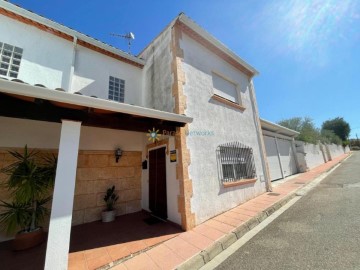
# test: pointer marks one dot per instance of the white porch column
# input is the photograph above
(62, 205)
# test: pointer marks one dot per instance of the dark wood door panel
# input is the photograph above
(157, 182)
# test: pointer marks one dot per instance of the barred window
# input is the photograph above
(10, 58)
(235, 162)
(116, 89)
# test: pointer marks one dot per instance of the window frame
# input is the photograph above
(116, 89)
(233, 155)
(238, 104)
(11, 55)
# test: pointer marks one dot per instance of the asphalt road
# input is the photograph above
(320, 231)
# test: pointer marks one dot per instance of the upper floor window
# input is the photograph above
(116, 89)
(225, 88)
(236, 162)
(10, 58)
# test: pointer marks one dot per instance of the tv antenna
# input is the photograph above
(129, 37)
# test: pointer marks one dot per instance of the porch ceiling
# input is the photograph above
(20, 100)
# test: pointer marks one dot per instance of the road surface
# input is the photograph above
(320, 231)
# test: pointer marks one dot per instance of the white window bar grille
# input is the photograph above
(235, 162)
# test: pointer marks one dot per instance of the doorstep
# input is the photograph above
(194, 248)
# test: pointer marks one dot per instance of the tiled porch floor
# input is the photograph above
(96, 244)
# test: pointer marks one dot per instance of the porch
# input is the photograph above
(89, 130)
(95, 244)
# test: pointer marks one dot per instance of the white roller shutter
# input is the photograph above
(287, 157)
(272, 158)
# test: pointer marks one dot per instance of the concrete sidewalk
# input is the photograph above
(194, 248)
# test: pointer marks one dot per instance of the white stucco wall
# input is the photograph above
(172, 184)
(157, 73)
(309, 155)
(46, 58)
(92, 71)
(335, 150)
(46, 135)
(221, 124)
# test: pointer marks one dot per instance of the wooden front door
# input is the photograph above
(157, 182)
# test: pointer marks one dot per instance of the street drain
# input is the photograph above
(273, 194)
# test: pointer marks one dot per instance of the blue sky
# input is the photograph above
(307, 52)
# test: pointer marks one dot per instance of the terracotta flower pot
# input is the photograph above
(26, 240)
(108, 216)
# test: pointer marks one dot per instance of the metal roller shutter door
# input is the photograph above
(272, 158)
(287, 157)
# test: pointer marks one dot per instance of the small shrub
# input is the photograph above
(110, 198)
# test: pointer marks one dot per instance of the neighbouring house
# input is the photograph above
(183, 113)
(285, 156)
(280, 150)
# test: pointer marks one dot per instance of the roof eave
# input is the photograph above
(273, 127)
(65, 97)
(201, 31)
(52, 24)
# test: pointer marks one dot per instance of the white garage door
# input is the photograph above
(272, 158)
(287, 157)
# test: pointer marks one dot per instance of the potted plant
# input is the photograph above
(31, 179)
(110, 199)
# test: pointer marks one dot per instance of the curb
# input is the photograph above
(205, 256)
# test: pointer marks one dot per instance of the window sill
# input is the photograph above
(239, 183)
(228, 102)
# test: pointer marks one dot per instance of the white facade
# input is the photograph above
(92, 71)
(46, 58)
(216, 123)
(58, 57)
(56, 63)
(157, 73)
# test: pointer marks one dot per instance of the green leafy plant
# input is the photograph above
(334, 131)
(328, 136)
(31, 178)
(110, 198)
(339, 127)
(308, 131)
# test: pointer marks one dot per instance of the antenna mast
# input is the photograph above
(129, 37)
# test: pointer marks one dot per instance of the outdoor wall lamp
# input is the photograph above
(118, 154)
